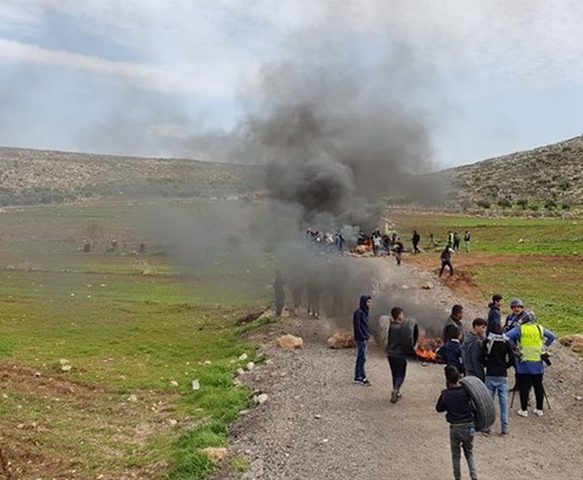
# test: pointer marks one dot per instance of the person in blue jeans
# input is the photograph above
(497, 355)
(457, 403)
(361, 337)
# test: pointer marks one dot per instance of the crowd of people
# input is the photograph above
(487, 350)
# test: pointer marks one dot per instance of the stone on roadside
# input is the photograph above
(133, 398)
(216, 454)
(427, 286)
(261, 398)
(243, 357)
(290, 342)
(250, 366)
(341, 340)
(196, 384)
(574, 342)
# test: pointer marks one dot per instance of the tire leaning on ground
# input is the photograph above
(482, 402)
(409, 336)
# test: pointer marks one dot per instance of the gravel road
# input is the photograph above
(318, 424)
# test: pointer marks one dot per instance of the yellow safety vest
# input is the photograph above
(531, 342)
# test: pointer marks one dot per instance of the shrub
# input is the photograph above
(566, 206)
(504, 203)
(522, 202)
(550, 204)
(483, 203)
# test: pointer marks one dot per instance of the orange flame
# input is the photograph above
(427, 348)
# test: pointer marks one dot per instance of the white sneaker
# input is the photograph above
(538, 412)
(522, 413)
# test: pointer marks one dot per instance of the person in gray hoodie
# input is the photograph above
(471, 348)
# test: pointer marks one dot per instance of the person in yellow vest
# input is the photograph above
(531, 340)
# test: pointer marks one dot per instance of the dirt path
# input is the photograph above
(317, 424)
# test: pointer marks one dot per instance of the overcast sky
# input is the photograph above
(140, 76)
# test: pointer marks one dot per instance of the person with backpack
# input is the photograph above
(396, 352)
(456, 402)
(446, 260)
(361, 337)
(497, 355)
(531, 339)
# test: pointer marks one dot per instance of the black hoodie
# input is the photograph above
(360, 320)
(496, 355)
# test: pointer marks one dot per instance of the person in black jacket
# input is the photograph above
(457, 403)
(494, 314)
(396, 353)
(446, 260)
(451, 352)
(415, 239)
(361, 337)
(497, 355)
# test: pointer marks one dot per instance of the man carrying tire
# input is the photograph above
(531, 339)
(456, 401)
(361, 337)
(396, 352)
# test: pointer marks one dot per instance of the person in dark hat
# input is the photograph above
(494, 315)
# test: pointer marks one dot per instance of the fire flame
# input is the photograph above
(427, 348)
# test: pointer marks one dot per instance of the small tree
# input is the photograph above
(504, 203)
(550, 204)
(522, 203)
(483, 203)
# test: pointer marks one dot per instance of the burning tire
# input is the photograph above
(410, 335)
(482, 402)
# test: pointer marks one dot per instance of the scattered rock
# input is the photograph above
(404, 287)
(427, 286)
(37, 374)
(250, 366)
(290, 342)
(261, 398)
(66, 368)
(341, 340)
(240, 371)
(172, 422)
(574, 342)
(317, 416)
(208, 362)
(196, 384)
(243, 357)
(578, 398)
(174, 383)
(133, 398)
(520, 240)
(216, 454)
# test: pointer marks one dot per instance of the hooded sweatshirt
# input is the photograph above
(471, 353)
(497, 355)
(360, 320)
(494, 318)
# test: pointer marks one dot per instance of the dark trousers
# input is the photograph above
(525, 381)
(398, 371)
(446, 263)
(416, 248)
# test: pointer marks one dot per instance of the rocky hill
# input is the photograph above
(42, 176)
(546, 178)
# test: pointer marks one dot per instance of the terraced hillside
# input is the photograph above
(546, 178)
(42, 176)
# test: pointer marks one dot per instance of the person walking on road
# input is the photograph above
(396, 353)
(446, 260)
(497, 355)
(531, 339)
(471, 348)
(361, 337)
(415, 241)
(456, 402)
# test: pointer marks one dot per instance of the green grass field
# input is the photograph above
(137, 331)
(538, 260)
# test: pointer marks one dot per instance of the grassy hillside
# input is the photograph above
(548, 178)
(43, 176)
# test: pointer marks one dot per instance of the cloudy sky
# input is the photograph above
(142, 76)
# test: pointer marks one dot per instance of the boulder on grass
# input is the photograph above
(290, 342)
(341, 340)
(574, 342)
(216, 454)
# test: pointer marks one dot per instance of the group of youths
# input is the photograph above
(487, 351)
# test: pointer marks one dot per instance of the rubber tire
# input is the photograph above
(482, 402)
(409, 336)
(382, 331)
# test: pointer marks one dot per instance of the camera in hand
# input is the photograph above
(545, 357)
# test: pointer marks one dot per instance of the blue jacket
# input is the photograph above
(494, 318)
(452, 354)
(530, 368)
(360, 320)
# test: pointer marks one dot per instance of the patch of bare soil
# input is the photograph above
(59, 428)
(318, 424)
